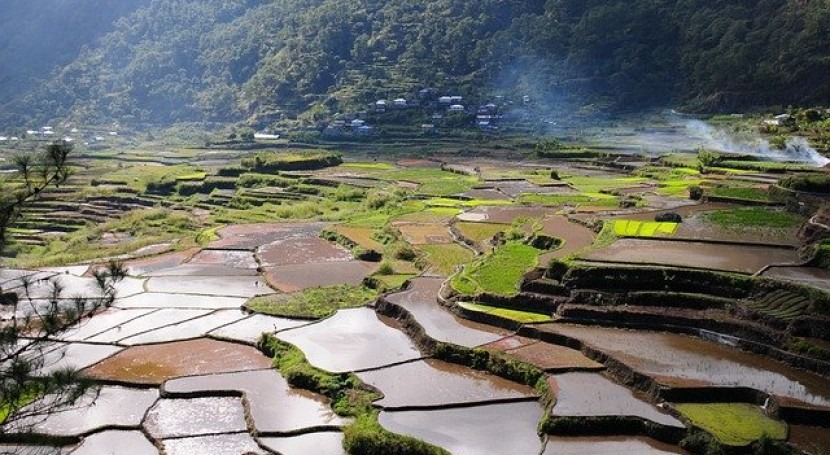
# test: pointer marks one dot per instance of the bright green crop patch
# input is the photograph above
(445, 258)
(370, 166)
(734, 424)
(313, 303)
(754, 217)
(515, 315)
(634, 228)
(498, 273)
(448, 202)
(584, 199)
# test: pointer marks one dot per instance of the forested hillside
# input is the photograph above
(38, 35)
(257, 60)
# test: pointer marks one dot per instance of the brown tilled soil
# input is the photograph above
(298, 277)
(575, 235)
(424, 234)
(155, 364)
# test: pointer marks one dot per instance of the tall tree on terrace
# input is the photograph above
(34, 311)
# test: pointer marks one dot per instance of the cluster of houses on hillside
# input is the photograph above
(66, 134)
(435, 110)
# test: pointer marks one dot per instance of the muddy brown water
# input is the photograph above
(684, 361)
(293, 278)
(435, 383)
(352, 340)
(228, 258)
(119, 442)
(591, 394)
(476, 430)
(156, 363)
(112, 406)
(420, 299)
(273, 405)
(548, 357)
(812, 276)
(814, 440)
(557, 445)
(325, 443)
(575, 235)
(733, 258)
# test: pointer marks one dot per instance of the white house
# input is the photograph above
(456, 99)
(456, 108)
(357, 123)
(445, 100)
(400, 102)
(3, 138)
(380, 105)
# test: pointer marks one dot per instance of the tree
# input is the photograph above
(36, 311)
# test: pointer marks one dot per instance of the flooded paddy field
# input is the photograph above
(731, 258)
(324, 443)
(187, 417)
(251, 236)
(545, 356)
(434, 383)
(557, 445)
(122, 442)
(298, 277)
(111, 406)
(473, 430)
(249, 330)
(684, 361)
(591, 394)
(273, 406)
(420, 299)
(154, 364)
(352, 340)
(812, 276)
(196, 395)
(236, 443)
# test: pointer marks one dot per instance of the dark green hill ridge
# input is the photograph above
(261, 60)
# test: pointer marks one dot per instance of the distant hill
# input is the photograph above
(262, 60)
(37, 36)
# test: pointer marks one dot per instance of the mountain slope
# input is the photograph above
(260, 60)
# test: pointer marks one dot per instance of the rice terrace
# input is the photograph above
(373, 300)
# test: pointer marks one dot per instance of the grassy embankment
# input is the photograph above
(314, 303)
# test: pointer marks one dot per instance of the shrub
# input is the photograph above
(385, 269)
(695, 192)
(405, 253)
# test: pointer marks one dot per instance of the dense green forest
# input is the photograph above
(259, 60)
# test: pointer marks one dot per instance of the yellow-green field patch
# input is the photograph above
(735, 424)
(634, 228)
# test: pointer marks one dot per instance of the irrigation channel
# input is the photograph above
(180, 375)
